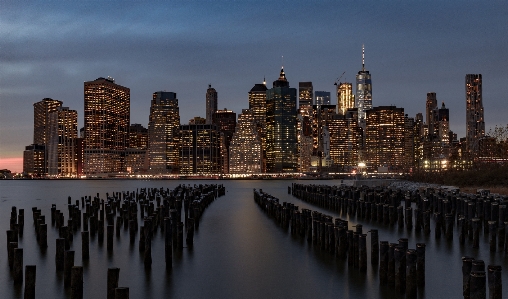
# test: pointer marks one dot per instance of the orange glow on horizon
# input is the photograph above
(13, 164)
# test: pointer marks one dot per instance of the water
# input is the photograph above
(238, 251)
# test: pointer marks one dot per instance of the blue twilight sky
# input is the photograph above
(49, 48)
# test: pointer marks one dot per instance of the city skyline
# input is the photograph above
(48, 53)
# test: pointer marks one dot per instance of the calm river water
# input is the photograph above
(238, 251)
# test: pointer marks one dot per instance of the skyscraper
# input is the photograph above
(305, 93)
(163, 133)
(345, 138)
(257, 105)
(38, 150)
(384, 138)
(225, 120)
(211, 103)
(322, 98)
(107, 121)
(430, 105)
(345, 97)
(200, 149)
(245, 147)
(475, 123)
(363, 92)
(61, 146)
(281, 140)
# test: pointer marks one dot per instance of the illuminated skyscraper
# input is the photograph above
(345, 138)
(107, 121)
(163, 133)
(138, 136)
(257, 105)
(200, 149)
(61, 146)
(42, 109)
(281, 127)
(363, 92)
(322, 98)
(475, 123)
(245, 147)
(305, 93)
(225, 120)
(211, 103)
(384, 138)
(305, 138)
(345, 97)
(430, 105)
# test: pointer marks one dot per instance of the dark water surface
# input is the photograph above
(238, 251)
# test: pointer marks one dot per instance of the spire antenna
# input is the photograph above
(282, 61)
(363, 57)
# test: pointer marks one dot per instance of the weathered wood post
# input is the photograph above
(391, 264)
(30, 275)
(420, 264)
(383, 263)
(400, 269)
(113, 277)
(476, 232)
(467, 264)
(17, 266)
(60, 253)
(411, 274)
(148, 245)
(110, 232)
(77, 282)
(85, 245)
(374, 247)
(68, 264)
(122, 293)
(10, 253)
(495, 282)
(449, 226)
(492, 235)
(363, 252)
(478, 288)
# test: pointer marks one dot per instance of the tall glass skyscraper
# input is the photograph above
(211, 103)
(322, 98)
(363, 92)
(281, 137)
(163, 133)
(475, 123)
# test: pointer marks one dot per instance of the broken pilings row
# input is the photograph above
(159, 208)
(399, 266)
(390, 206)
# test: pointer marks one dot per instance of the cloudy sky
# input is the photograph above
(49, 48)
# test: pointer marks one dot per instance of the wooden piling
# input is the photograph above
(77, 282)
(478, 288)
(17, 266)
(494, 278)
(148, 245)
(10, 253)
(374, 247)
(400, 270)
(113, 277)
(68, 264)
(467, 264)
(30, 275)
(492, 235)
(110, 232)
(411, 273)
(362, 252)
(60, 253)
(122, 293)
(383, 263)
(420, 264)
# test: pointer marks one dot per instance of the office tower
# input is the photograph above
(305, 138)
(363, 91)
(42, 110)
(345, 97)
(430, 105)
(34, 160)
(281, 141)
(384, 138)
(138, 136)
(225, 120)
(442, 124)
(211, 103)
(409, 143)
(475, 123)
(245, 146)
(61, 146)
(345, 138)
(305, 92)
(200, 149)
(321, 115)
(163, 133)
(322, 98)
(107, 121)
(257, 105)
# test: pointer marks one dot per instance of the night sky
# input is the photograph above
(49, 48)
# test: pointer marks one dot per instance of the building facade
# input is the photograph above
(225, 120)
(305, 94)
(107, 121)
(211, 103)
(345, 139)
(281, 127)
(363, 92)
(345, 97)
(257, 105)
(245, 148)
(61, 147)
(384, 139)
(164, 133)
(200, 149)
(475, 122)
(322, 98)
